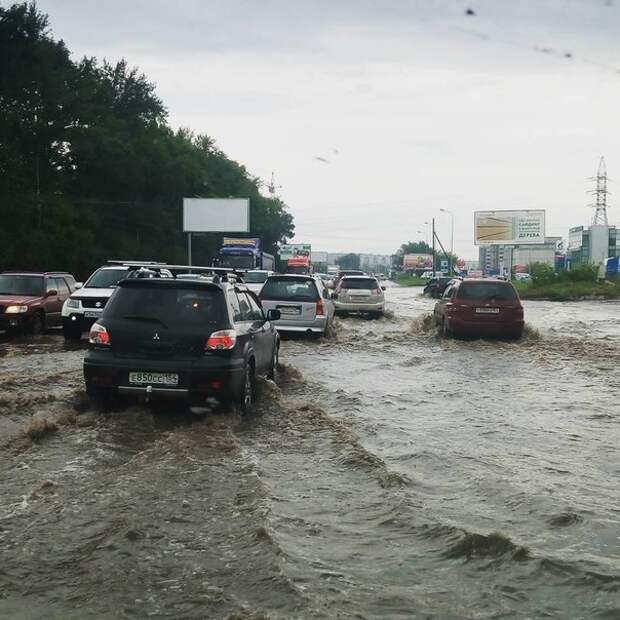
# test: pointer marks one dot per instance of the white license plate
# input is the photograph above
(153, 378)
(487, 310)
(289, 310)
(92, 314)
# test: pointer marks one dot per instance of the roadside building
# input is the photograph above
(593, 244)
(500, 259)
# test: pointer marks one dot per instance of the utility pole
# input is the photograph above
(601, 192)
(272, 187)
(451, 237)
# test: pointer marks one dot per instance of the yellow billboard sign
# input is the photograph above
(509, 227)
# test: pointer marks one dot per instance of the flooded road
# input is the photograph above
(389, 474)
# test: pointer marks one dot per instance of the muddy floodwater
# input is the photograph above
(389, 474)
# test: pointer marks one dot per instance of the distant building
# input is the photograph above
(499, 259)
(593, 244)
(367, 261)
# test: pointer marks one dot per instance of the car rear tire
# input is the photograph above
(248, 391)
(37, 324)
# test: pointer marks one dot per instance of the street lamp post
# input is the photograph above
(451, 235)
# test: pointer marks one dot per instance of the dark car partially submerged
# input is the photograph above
(185, 338)
(480, 308)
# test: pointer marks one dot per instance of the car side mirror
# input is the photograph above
(383, 288)
(51, 293)
(78, 285)
(334, 295)
(273, 315)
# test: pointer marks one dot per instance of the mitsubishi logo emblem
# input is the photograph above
(156, 336)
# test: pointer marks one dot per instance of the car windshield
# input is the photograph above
(359, 283)
(105, 278)
(20, 285)
(238, 262)
(255, 277)
(169, 306)
(486, 290)
(293, 289)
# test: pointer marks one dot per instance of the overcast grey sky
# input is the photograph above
(376, 114)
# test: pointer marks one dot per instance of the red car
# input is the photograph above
(33, 300)
(480, 308)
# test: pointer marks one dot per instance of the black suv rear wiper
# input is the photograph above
(137, 317)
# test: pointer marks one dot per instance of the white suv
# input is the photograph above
(85, 305)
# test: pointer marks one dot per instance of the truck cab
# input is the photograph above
(299, 264)
(244, 254)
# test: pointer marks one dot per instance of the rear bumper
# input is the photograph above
(317, 326)
(198, 379)
(359, 307)
(480, 328)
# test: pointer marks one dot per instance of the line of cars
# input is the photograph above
(196, 333)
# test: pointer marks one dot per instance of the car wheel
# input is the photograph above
(248, 391)
(37, 323)
(275, 362)
(446, 332)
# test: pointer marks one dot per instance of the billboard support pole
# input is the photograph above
(433, 247)
(189, 248)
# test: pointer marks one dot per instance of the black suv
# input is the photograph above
(193, 338)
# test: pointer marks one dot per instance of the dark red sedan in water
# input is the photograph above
(480, 307)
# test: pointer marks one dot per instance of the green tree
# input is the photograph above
(90, 169)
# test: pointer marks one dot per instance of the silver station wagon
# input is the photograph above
(304, 302)
(360, 294)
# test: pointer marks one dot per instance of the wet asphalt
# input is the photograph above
(388, 474)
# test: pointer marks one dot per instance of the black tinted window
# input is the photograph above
(254, 277)
(359, 283)
(486, 290)
(171, 306)
(295, 289)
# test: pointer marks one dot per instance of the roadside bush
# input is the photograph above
(582, 273)
(542, 273)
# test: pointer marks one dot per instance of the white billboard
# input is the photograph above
(216, 215)
(509, 227)
(288, 250)
(575, 238)
(319, 257)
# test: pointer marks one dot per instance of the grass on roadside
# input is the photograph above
(411, 281)
(567, 291)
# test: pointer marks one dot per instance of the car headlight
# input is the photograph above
(73, 303)
(16, 309)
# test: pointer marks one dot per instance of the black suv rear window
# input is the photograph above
(486, 290)
(359, 283)
(169, 306)
(294, 289)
